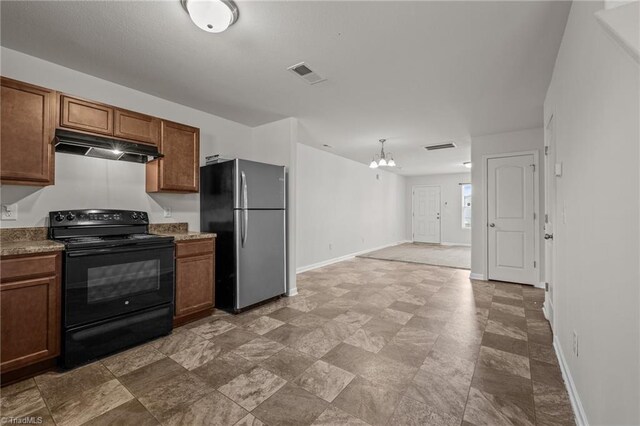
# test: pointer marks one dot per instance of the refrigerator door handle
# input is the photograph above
(243, 182)
(245, 227)
(245, 212)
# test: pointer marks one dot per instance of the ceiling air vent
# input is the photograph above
(303, 71)
(440, 146)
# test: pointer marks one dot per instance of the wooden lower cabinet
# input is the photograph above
(194, 275)
(30, 315)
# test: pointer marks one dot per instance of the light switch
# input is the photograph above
(10, 211)
(558, 169)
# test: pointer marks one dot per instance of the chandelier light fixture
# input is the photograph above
(384, 159)
(213, 16)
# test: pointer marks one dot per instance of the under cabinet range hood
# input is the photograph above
(76, 143)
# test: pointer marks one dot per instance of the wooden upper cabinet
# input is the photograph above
(87, 116)
(26, 133)
(136, 126)
(31, 114)
(179, 169)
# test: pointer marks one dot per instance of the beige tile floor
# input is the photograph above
(365, 342)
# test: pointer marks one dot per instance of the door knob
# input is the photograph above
(548, 236)
(493, 225)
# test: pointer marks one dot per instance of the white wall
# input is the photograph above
(276, 143)
(594, 100)
(343, 208)
(501, 143)
(96, 183)
(451, 228)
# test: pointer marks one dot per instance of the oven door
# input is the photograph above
(104, 283)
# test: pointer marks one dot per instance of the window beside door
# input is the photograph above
(465, 189)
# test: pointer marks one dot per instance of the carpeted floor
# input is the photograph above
(428, 254)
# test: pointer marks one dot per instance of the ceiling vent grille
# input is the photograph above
(440, 146)
(303, 71)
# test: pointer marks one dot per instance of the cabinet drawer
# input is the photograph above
(28, 266)
(137, 127)
(193, 248)
(84, 115)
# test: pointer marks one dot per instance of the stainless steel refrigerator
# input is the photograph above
(244, 202)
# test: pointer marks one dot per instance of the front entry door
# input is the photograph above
(426, 214)
(511, 222)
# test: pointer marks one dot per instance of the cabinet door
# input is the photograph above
(179, 169)
(30, 321)
(86, 116)
(26, 133)
(137, 127)
(194, 284)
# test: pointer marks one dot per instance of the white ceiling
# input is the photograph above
(416, 73)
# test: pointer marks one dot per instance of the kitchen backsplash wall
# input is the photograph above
(83, 183)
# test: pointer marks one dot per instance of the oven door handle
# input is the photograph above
(111, 250)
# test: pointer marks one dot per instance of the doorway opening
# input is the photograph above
(436, 211)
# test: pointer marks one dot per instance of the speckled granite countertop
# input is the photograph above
(179, 231)
(15, 241)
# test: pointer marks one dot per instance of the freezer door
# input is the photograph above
(259, 185)
(260, 251)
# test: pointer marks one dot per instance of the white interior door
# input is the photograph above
(511, 223)
(550, 214)
(426, 214)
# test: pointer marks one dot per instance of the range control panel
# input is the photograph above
(66, 218)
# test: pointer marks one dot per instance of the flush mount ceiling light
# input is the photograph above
(384, 159)
(213, 16)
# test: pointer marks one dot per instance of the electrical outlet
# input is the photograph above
(575, 343)
(167, 211)
(10, 211)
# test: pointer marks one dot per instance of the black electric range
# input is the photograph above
(118, 282)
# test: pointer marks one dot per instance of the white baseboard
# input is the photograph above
(576, 404)
(345, 257)
(539, 285)
(547, 310)
(455, 244)
(474, 276)
(292, 292)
